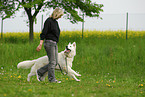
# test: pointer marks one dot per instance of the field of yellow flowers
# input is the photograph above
(110, 65)
(99, 34)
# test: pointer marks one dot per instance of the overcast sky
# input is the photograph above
(122, 6)
(114, 18)
(118, 6)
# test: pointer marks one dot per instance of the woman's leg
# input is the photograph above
(52, 53)
(50, 48)
(42, 70)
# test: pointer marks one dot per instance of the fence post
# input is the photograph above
(83, 26)
(126, 24)
(42, 23)
(2, 29)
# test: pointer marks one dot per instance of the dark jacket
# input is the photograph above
(51, 30)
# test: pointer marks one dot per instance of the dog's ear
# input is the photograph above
(69, 43)
(74, 44)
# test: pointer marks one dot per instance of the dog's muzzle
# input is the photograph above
(67, 50)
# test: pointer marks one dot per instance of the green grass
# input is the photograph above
(110, 67)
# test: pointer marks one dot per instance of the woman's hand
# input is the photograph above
(39, 47)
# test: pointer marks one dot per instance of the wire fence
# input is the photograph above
(109, 22)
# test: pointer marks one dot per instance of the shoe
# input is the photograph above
(56, 81)
(39, 78)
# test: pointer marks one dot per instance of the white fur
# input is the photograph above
(42, 61)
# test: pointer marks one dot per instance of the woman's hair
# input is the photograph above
(56, 13)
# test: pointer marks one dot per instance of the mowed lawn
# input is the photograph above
(110, 65)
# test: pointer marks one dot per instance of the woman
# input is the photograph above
(50, 36)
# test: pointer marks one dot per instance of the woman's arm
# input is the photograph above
(43, 34)
(39, 46)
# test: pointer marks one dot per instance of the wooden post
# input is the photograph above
(42, 23)
(126, 24)
(83, 26)
(2, 29)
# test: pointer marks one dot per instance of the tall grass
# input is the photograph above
(110, 65)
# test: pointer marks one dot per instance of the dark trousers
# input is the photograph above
(52, 53)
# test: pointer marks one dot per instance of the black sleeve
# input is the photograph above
(45, 29)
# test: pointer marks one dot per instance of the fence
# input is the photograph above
(109, 22)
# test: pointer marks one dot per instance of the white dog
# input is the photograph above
(65, 59)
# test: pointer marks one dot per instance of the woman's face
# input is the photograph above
(59, 17)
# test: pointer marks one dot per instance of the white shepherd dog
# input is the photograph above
(65, 59)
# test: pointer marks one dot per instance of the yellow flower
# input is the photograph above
(11, 76)
(140, 85)
(66, 78)
(30, 90)
(19, 76)
(86, 36)
(108, 85)
(97, 82)
(114, 81)
(5, 94)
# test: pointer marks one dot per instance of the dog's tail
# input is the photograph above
(26, 64)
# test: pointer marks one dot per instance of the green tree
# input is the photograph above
(33, 7)
(7, 8)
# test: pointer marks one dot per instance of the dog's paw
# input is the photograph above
(78, 80)
(79, 75)
(28, 79)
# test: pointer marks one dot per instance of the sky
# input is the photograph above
(119, 6)
(114, 18)
(122, 6)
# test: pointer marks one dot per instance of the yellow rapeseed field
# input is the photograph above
(86, 34)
